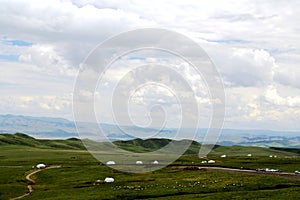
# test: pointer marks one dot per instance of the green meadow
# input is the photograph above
(81, 175)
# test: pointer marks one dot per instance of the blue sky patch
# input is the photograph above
(230, 41)
(136, 58)
(16, 42)
(279, 51)
(9, 57)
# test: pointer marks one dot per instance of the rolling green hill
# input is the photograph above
(148, 145)
(25, 140)
(139, 145)
(153, 144)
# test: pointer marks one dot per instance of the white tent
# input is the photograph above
(139, 162)
(111, 162)
(223, 156)
(155, 162)
(109, 180)
(249, 155)
(203, 161)
(211, 161)
(40, 166)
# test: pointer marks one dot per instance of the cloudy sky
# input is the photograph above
(255, 46)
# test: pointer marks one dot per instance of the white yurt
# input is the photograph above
(139, 162)
(41, 166)
(111, 162)
(223, 156)
(211, 161)
(249, 155)
(109, 180)
(155, 162)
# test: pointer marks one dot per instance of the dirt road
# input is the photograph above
(247, 171)
(32, 182)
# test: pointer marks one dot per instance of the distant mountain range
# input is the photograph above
(40, 127)
(45, 127)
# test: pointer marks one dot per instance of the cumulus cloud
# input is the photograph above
(273, 97)
(255, 46)
(243, 66)
(37, 105)
(288, 73)
(45, 58)
(261, 107)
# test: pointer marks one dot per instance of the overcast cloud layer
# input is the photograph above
(255, 46)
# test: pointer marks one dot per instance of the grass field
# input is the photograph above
(77, 179)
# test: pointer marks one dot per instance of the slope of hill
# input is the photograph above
(139, 145)
(147, 145)
(25, 140)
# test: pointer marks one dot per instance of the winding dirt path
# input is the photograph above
(32, 182)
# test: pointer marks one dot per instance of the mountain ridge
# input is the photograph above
(60, 128)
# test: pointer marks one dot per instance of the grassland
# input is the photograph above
(77, 179)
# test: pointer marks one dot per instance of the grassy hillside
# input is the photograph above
(148, 145)
(25, 140)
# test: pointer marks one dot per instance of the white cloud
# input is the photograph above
(45, 58)
(275, 98)
(255, 45)
(288, 73)
(243, 66)
(36, 105)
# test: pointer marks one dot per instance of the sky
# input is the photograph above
(254, 45)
